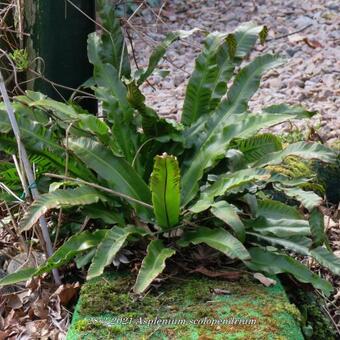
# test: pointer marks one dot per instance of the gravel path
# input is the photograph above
(309, 77)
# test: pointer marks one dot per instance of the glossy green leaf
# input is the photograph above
(272, 263)
(255, 147)
(68, 114)
(317, 227)
(116, 171)
(113, 47)
(217, 238)
(327, 259)
(113, 94)
(308, 198)
(214, 67)
(160, 50)
(297, 244)
(211, 137)
(164, 185)
(301, 149)
(153, 264)
(246, 35)
(73, 246)
(82, 260)
(277, 210)
(57, 199)
(204, 78)
(18, 276)
(225, 183)
(279, 227)
(227, 213)
(108, 248)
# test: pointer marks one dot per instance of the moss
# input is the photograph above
(292, 310)
(100, 296)
(192, 299)
(313, 317)
(102, 330)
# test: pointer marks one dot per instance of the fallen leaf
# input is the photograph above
(40, 309)
(219, 291)
(264, 280)
(223, 275)
(3, 335)
(312, 43)
(13, 301)
(66, 292)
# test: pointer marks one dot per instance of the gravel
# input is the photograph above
(310, 75)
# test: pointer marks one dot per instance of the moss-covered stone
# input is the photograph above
(316, 325)
(190, 308)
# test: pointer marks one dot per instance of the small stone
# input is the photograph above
(326, 93)
(274, 83)
(291, 51)
(179, 79)
(333, 7)
(303, 21)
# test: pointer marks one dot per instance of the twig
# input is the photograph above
(28, 170)
(288, 34)
(139, 150)
(135, 12)
(21, 177)
(65, 174)
(52, 83)
(333, 321)
(9, 191)
(83, 226)
(132, 48)
(16, 228)
(88, 17)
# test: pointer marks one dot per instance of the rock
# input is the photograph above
(291, 51)
(274, 83)
(326, 93)
(303, 21)
(333, 7)
(178, 79)
(296, 82)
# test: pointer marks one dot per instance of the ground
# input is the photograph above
(309, 77)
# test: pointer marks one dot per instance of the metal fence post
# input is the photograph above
(57, 44)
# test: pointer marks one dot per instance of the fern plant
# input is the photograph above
(211, 177)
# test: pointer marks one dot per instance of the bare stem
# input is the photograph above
(28, 171)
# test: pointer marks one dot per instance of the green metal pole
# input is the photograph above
(57, 45)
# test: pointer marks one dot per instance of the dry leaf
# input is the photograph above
(3, 335)
(13, 301)
(66, 292)
(312, 43)
(219, 291)
(264, 280)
